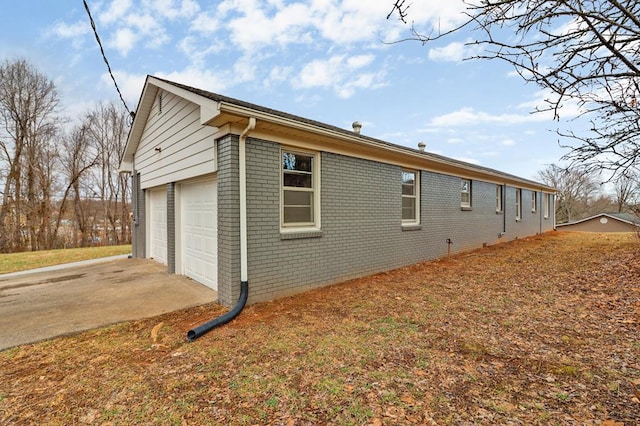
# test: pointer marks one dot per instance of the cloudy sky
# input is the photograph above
(321, 59)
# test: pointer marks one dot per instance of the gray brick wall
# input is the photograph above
(361, 218)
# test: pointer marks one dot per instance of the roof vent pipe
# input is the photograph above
(356, 126)
(421, 146)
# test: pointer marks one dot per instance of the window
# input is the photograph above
(465, 193)
(410, 197)
(498, 198)
(518, 203)
(299, 204)
(547, 205)
(534, 201)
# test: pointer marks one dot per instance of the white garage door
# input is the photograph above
(158, 225)
(200, 232)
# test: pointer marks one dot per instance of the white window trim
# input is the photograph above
(547, 205)
(416, 187)
(463, 204)
(534, 201)
(518, 204)
(499, 196)
(315, 182)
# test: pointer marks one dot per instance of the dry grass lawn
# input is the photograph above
(542, 330)
(14, 262)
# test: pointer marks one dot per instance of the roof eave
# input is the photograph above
(470, 170)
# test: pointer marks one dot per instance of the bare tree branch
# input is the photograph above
(583, 52)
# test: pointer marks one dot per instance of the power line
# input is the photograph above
(104, 56)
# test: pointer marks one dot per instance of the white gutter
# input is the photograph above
(243, 199)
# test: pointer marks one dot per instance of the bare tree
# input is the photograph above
(576, 190)
(627, 191)
(77, 158)
(28, 117)
(584, 52)
(107, 127)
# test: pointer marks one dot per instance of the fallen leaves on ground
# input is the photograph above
(543, 330)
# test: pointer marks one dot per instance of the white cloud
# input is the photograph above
(470, 117)
(115, 12)
(74, 30)
(453, 52)
(254, 26)
(197, 50)
(320, 73)
(278, 74)
(150, 28)
(205, 79)
(455, 140)
(205, 24)
(508, 142)
(172, 9)
(338, 72)
(466, 159)
(123, 40)
(130, 85)
(359, 61)
(244, 69)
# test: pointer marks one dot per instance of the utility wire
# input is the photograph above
(104, 56)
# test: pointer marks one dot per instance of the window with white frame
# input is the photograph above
(547, 205)
(410, 197)
(498, 198)
(465, 193)
(299, 203)
(534, 201)
(518, 203)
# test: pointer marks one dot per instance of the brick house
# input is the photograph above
(228, 192)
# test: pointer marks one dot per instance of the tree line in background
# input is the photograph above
(59, 185)
(580, 194)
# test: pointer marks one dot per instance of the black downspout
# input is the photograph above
(203, 329)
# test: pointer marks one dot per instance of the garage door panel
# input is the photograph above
(200, 232)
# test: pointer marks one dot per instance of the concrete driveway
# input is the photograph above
(42, 304)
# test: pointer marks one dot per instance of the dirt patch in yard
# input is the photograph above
(542, 330)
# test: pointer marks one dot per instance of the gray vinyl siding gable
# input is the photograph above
(186, 146)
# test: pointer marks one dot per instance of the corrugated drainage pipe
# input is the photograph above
(224, 318)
